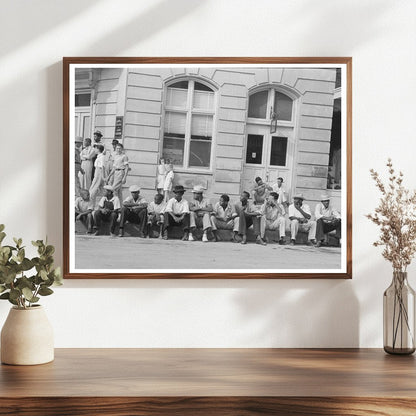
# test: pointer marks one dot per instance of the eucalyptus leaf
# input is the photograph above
(1, 227)
(5, 295)
(26, 264)
(43, 275)
(2, 236)
(45, 291)
(21, 254)
(15, 294)
(27, 293)
(2, 288)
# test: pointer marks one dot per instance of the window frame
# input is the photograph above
(270, 103)
(189, 111)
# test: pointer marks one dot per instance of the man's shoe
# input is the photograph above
(319, 244)
(244, 240)
(186, 237)
(113, 235)
(205, 238)
(165, 235)
(236, 238)
(121, 232)
(292, 242)
(259, 240)
(96, 232)
(310, 243)
(282, 242)
(141, 235)
(190, 237)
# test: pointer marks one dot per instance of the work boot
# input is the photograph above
(121, 232)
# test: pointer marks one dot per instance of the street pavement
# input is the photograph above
(105, 252)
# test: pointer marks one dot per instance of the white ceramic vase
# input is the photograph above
(27, 337)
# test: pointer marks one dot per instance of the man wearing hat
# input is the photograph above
(199, 216)
(134, 210)
(327, 219)
(108, 210)
(300, 220)
(78, 169)
(177, 213)
(274, 217)
(248, 214)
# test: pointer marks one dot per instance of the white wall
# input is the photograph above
(380, 35)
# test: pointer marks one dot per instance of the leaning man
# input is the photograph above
(327, 219)
(274, 217)
(134, 210)
(200, 209)
(300, 220)
(177, 213)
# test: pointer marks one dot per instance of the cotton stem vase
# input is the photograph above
(27, 337)
(399, 316)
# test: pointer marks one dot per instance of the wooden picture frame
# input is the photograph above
(212, 118)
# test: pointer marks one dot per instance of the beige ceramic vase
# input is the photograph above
(27, 337)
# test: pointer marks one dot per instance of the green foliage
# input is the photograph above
(15, 285)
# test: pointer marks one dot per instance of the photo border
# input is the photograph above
(67, 61)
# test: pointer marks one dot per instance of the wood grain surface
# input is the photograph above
(212, 381)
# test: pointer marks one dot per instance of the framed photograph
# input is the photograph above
(207, 167)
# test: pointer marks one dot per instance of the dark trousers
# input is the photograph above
(110, 217)
(136, 216)
(168, 221)
(86, 220)
(324, 227)
(245, 221)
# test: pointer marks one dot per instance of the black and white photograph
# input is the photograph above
(207, 168)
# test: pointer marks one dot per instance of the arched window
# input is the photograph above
(270, 104)
(188, 126)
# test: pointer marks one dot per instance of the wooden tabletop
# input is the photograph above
(262, 377)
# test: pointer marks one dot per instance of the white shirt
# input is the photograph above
(224, 214)
(293, 212)
(321, 211)
(154, 208)
(114, 200)
(177, 207)
(82, 206)
(130, 200)
(167, 186)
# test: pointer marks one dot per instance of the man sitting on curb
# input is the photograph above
(108, 210)
(199, 216)
(155, 215)
(83, 210)
(224, 217)
(274, 217)
(134, 210)
(177, 213)
(327, 219)
(300, 219)
(248, 214)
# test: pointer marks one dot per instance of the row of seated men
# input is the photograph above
(271, 214)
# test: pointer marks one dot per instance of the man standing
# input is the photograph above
(177, 213)
(274, 217)
(108, 210)
(134, 210)
(79, 172)
(224, 217)
(300, 219)
(199, 216)
(260, 191)
(279, 188)
(248, 214)
(327, 219)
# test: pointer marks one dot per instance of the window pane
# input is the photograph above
(200, 154)
(175, 122)
(202, 87)
(173, 149)
(86, 127)
(180, 84)
(278, 151)
(257, 104)
(283, 106)
(204, 100)
(176, 97)
(254, 148)
(201, 127)
(83, 100)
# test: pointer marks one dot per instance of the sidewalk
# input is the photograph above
(104, 252)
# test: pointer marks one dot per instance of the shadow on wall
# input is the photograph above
(300, 313)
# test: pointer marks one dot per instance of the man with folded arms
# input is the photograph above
(248, 214)
(177, 213)
(327, 219)
(224, 217)
(273, 217)
(134, 210)
(200, 209)
(300, 220)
